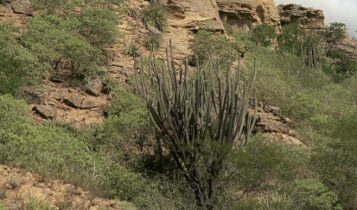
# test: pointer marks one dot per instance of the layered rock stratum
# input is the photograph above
(308, 18)
(245, 14)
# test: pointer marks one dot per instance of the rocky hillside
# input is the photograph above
(57, 100)
(86, 104)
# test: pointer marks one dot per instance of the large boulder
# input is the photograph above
(22, 7)
(245, 14)
(94, 86)
(308, 18)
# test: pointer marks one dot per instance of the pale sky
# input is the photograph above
(344, 11)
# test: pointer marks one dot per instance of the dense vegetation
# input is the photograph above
(129, 158)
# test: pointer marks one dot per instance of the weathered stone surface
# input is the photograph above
(185, 17)
(22, 7)
(94, 86)
(45, 111)
(273, 126)
(349, 46)
(79, 101)
(245, 14)
(308, 18)
(18, 187)
(89, 103)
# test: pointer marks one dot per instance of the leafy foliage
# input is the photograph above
(155, 15)
(53, 40)
(98, 26)
(311, 195)
(206, 45)
(262, 161)
(335, 32)
(345, 65)
(264, 34)
(335, 160)
(57, 153)
(35, 204)
(127, 119)
(290, 38)
(17, 64)
(153, 41)
(307, 45)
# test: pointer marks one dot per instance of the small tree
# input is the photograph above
(98, 26)
(206, 45)
(53, 40)
(18, 65)
(335, 32)
(155, 15)
(201, 117)
(264, 34)
(311, 194)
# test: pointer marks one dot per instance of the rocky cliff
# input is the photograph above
(245, 14)
(308, 18)
(185, 17)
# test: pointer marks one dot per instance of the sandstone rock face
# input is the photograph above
(8, 14)
(349, 46)
(245, 14)
(185, 17)
(94, 86)
(274, 126)
(69, 105)
(308, 18)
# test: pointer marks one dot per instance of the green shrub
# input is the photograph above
(206, 45)
(163, 193)
(313, 195)
(127, 119)
(153, 41)
(52, 5)
(155, 15)
(290, 38)
(18, 66)
(344, 65)
(335, 159)
(303, 106)
(52, 39)
(335, 32)
(262, 162)
(98, 26)
(57, 153)
(35, 204)
(2, 206)
(264, 34)
(124, 184)
(50, 151)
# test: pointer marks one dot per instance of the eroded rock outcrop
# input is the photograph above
(308, 18)
(18, 187)
(245, 14)
(349, 46)
(185, 17)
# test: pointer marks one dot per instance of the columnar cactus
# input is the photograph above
(202, 115)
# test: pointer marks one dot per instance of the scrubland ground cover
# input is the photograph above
(126, 158)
